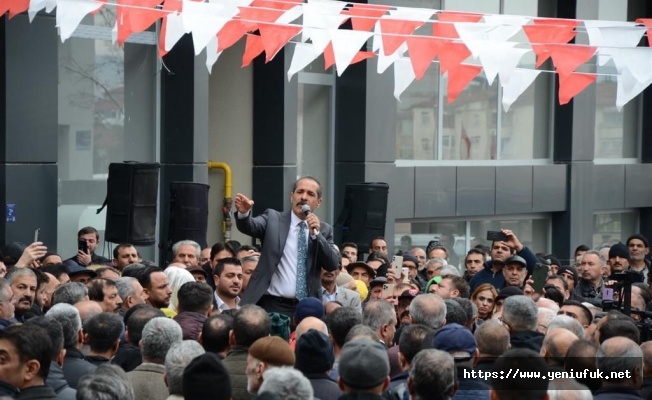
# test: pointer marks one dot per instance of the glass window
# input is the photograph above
(100, 123)
(615, 131)
(474, 126)
(532, 232)
(611, 228)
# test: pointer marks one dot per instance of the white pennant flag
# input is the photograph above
(70, 13)
(304, 54)
(384, 61)
(205, 20)
(377, 43)
(520, 80)
(320, 39)
(212, 54)
(411, 14)
(499, 58)
(628, 88)
(290, 15)
(607, 35)
(323, 15)
(174, 30)
(34, 7)
(346, 44)
(637, 60)
(473, 35)
(403, 76)
(504, 26)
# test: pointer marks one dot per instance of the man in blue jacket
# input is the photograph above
(500, 252)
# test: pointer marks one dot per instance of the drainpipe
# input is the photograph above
(227, 202)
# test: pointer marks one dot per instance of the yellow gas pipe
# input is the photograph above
(227, 202)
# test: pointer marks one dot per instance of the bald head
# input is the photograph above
(620, 354)
(88, 309)
(556, 344)
(646, 348)
(309, 323)
(547, 303)
(492, 338)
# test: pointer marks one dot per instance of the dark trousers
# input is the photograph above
(278, 305)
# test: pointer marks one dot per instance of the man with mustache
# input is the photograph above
(23, 285)
(618, 258)
(331, 292)
(156, 287)
(105, 292)
(296, 245)
(228, 282)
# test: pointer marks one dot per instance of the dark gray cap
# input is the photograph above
(363, 364)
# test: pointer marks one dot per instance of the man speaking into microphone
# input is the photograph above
(296, 246)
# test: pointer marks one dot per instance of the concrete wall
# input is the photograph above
(230, 134)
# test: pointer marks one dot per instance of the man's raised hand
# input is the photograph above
(242, 203)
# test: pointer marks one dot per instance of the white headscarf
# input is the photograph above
(177, 277)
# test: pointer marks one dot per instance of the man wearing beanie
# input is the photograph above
(314, 358)
(618, 258)
(205, 378)
(638, 250)
(364, 370)
(265, 353)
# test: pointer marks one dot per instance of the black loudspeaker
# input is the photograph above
(188, 212)
(363, 214)
(131, 201)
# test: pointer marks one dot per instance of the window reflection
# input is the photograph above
(611, 228)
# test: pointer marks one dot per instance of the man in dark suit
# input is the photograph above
(296, 246)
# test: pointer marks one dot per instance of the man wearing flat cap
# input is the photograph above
(265, 353)
(364, 370)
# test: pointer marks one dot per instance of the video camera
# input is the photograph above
(624, 303)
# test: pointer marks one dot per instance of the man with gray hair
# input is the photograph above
(492, 340)
(432, 375)
(176, 361)
(619, 356)
(70, 293)
(159, 334)
(520, 316)
(566, 322)
(23, 286)
(286, 382)
(107, 382)
(590, 284)
(75, 364)
(186, 252)
(380, 316)
(7, 302)
(131, 292)
(429, 310)
(249, 264)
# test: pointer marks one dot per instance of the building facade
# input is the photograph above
(558, 176)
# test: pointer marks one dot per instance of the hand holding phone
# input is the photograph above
(388, 290)
(397, 266)
(496, 236)
(539, 276)
(607, 294)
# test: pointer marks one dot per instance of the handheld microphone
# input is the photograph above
(306, 210)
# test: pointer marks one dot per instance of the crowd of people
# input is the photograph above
(230, 322)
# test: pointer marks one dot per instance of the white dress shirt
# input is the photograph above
(222, 306)
(326, 297)
(284, 280)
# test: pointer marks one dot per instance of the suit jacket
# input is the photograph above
(147, 381)
(272, 229)
(348, 298)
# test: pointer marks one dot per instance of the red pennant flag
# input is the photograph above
(15, 7)
(543, 33)
(572, 84)
(229, 35)
(276, 36)
(252, 15)
(451, 54)
(459, 78)
(648, 24)
(277, 5)
(329, 56)
(394, 32)
(567, 57)
(446, 29)
(253, 47)
(423, 51)
(135, 16)
(557, 21)
(370, 14)
(169, 6)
